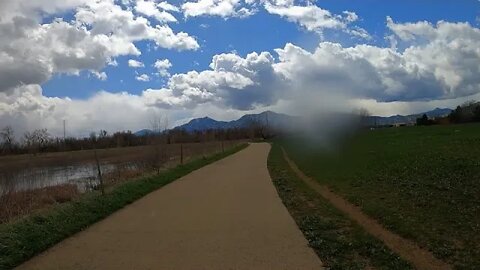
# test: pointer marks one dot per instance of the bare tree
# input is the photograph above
(362, 112)
(93, 136)
(267, 129)
(257, 129)
(158, 125)
(165, 123)
(468, 103)
(363, 116)
(103, 133)
(7, 138)
(36, 139)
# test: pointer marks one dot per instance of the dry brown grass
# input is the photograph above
(110, 155)
(17, 204)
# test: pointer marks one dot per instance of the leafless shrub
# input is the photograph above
(36, 140)
(7, 139)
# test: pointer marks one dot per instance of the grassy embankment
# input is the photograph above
(339, 242)
(420, 182)
(27, 237)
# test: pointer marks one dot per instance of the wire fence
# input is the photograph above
(31, 182)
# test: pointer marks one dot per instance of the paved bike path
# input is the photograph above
(226, 215)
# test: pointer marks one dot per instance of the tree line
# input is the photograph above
(468, 112)
(41, 141)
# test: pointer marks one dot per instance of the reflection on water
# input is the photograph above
(84, 176)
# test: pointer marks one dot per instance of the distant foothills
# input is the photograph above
(282, 121)
(250, 126)
(272, 119)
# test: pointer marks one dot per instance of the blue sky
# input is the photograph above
(91, 62)
(259, 32)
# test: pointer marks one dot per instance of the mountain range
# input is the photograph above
(279, 121)
(274, 120)
(406, 119)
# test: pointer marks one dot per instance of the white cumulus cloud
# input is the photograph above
(221, 8)
(143, 78)
(162, 66)
(314, 18)
(135, 64)
(31, 50)
(443, 64)
(158, 11)
(233, 81)
(433, 63)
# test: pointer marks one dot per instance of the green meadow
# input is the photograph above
(420, 182)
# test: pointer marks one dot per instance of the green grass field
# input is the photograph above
(420, 182)
(339, 242)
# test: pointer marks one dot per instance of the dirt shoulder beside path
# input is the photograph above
(407, 249)
(226, 215)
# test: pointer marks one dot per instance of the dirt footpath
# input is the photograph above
(226, 215)
(421, 258)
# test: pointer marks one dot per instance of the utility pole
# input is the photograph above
(64, 136)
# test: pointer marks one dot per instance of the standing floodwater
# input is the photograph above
(84, 176)
(30, 172)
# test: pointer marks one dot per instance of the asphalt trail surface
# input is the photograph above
(226, 215)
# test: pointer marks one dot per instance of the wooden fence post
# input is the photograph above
(102, 188)
(181, 153)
